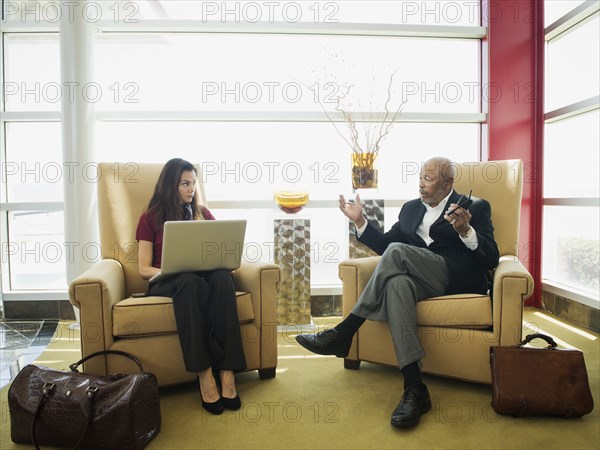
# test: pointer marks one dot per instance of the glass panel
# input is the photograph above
(36, 251)
(572, 247)
(231, 72)
(574, 65)
(555, 9)
(33, 170)
(248, 12)
(32, 72)
(571, 160)
(244, 161)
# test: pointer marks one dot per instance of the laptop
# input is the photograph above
(200, 245)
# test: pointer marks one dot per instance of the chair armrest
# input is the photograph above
(258, 278)
(261, 279)
(355, 274)
(94, 293)
(512, 286)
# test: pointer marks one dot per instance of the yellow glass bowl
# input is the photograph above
(290, 202)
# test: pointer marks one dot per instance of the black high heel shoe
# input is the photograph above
(215, 407)
(232, 403)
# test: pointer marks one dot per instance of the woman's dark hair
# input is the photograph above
(165, 202)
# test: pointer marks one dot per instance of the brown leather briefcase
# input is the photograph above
(539, 381)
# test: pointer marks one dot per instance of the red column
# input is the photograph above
(514, 58)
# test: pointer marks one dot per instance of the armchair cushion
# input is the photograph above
(150, 316)
(456, 311)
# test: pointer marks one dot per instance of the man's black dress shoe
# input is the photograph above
(328, 342)
(413, 404)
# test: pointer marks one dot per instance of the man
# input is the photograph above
(435, 248)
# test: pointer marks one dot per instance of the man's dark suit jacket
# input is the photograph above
(467, 268)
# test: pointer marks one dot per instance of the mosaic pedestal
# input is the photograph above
(292, 254)
(373, 212)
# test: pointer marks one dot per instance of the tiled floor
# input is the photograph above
(21, 342)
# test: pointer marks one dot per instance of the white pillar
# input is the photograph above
(78, 122)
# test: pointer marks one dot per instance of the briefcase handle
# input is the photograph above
(531, 337)
(75, 365)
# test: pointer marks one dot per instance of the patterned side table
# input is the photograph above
(292, 254)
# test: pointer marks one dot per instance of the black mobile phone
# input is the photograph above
(463, 202)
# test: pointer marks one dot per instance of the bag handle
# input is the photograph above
(75, 365)
(47, 390)
(531, 337)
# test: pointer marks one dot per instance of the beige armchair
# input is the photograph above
(145, 327)
(457, 331)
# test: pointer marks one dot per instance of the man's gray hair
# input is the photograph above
(446, 169)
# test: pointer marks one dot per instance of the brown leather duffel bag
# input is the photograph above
(72, 409)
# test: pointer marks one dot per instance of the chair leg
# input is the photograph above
(265, 374)
(351, 364)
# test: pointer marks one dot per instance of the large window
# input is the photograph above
(246, 89)
(32, 171)
(571, 241)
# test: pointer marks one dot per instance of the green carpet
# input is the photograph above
(315, 403)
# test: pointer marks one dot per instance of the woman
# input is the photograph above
(204, 302)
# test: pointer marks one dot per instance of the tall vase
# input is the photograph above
(364, 173)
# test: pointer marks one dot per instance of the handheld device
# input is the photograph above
(463, 203)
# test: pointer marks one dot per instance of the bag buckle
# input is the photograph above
(116, 376)
(91, 390)
(47, 388)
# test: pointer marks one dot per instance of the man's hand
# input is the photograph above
(352, 211)
(459, 219)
